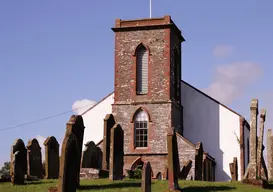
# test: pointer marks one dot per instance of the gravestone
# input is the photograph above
(109, 122)
(34, 159)
(185, 170)
(198, 161)
(90, 157)
(76, 126)
(260, 143)
(233, 167)
(116, 153)
(146, 177)
(205, 168)
(18, 163)
(99, 157)
(252, 166)
(269, 145)
(52, 162)
(173, 160)
(68, 165)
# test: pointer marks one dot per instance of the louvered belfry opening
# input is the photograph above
(142, 71)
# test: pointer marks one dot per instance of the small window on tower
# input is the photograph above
(141, 129)
(142, 70)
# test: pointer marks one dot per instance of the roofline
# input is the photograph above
(98, 103)
(186, 140)
(212, 98)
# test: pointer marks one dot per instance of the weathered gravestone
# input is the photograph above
(269, 145)
(233, 167)
(69, 168)
(146, 177)
(260, 143)
(252, 166)
(198, 161)
(18, 164)
(109, 122)
(90, 157)
(77, 128)
(185, 170)
(173, 160)
(99, 157)
(52, 162)
(34, 159)
(116, 153)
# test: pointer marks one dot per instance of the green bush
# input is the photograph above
(135, 173)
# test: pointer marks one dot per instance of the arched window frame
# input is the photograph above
(140, 122)
(142, 53)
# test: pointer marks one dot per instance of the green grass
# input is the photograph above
(134, 186)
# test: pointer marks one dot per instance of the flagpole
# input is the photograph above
(150, 8)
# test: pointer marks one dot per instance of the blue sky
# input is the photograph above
(53, 53)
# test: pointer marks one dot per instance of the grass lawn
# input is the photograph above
(134, 186)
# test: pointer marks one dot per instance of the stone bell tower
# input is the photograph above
(147, 86)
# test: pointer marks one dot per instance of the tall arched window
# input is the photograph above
(141, 129)
(142, 70)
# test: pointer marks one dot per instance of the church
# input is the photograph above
(150, 97)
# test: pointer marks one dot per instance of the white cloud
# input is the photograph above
(231, 80)
(41, 141)
(80, 106)
(222, 51)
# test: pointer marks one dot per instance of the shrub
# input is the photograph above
(135, 173)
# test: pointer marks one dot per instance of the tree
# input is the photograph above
(4, 171)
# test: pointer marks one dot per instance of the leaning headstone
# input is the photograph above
(185, 170)
(77, 127)
(109, 122)
(52, 162)
(198, 161)
(90, 157)
(18, 164)
(269, 146)
(173, 160)
(69, 172)
(146, 178)
(260, 142)
(116, 153)
(252, 170)
(34, 159)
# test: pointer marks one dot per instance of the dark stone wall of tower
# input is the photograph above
(176, 104)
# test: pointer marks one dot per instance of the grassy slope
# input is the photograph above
(134, 186)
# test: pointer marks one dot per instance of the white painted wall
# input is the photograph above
(214, 125)
(205, 120)
(93, 120)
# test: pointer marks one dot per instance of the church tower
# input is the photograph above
(147, 86)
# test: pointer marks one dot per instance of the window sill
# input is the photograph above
(141, 148)
(141, 93)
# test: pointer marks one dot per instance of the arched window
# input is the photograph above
(141, 129)
(142, 70)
